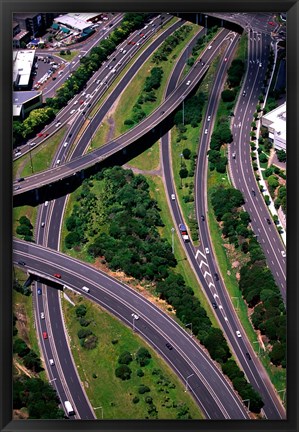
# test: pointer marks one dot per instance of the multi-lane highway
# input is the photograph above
(208, 386)
(255, 373)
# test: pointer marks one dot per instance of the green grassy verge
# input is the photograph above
(29, 211)
(67, 57)
(41, 156)
(148, 160)
(23, 309)
(97, 370)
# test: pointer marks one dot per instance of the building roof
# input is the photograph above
(72, 22)
(55, 26)
(277, 119)
(84, 16)
(20, 35)
(20, 97)
(22, 65)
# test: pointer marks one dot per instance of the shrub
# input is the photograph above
(143, 389)
(123, 372)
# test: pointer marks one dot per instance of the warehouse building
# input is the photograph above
(22, 66)
(24, 102)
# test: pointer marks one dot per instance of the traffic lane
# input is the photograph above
(65, 358)
(97, 118)
(129, 298)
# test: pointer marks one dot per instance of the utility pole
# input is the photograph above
(186, 384)
(190, 324)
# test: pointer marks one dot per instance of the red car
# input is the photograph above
(45, 335)
(129, 42)
(40, 134)
(81, 102)
(271, 23)
(57, 275)
(46, 134)
(141, 34)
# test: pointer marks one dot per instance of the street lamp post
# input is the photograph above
(284, 394)
(172, 238)
(101, 409)
(259, 353)
(247, 400)
(183, 112)
(189, 324)
(186, 384)
(133, 323)
(238, 302)
(31, 161)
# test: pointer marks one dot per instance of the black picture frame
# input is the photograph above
(7, 8)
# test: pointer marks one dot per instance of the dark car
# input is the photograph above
(216, 276)
(269, 222)
(214, 304)
(21, 179)
(169, 346)
(21, 263)
(248, 356)
(39, 291)
(244, 93)
(253, 192)
(202, 218)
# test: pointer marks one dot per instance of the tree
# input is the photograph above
(125, 358)
(31, 361)
(81, 311)
(183, 173)
(20, 347)
(24, 230)
(186, 153)
(83, 333)
(25, 221)
(281, 155)
(228, 95)
(143, 356)
(123, 372)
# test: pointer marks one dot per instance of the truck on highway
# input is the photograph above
(69, 408)
(184, 233)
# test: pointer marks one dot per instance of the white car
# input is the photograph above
(238, 334)
(58, 162)
(173, 197)
(206, 131)
(42, 315)
(210, 46)
(18, 153)
(283, 253)
(65, 144)
(260, 65)
(43, 224)
(32, 144)
(46, 203)
(58, 124)
(75, 103)
(72, 112)
(207, 250)
(135, 316)
(51, 361)
(209, 118)
(124, 51)
(98, 81)
(188, 82)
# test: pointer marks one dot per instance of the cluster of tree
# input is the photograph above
(226, 204)
(123, 371)
(25, 228)
(86, 337)
(221, 135)
(35, 121)
(235, 72)
(89, 64)
(192, 114)
(261, 293)
(189, 310)
(170, 43)
(129, 239)
(281, 155)
(38, 397)
(281, 199)
(245, 390)
(151, 84)
(30, 358)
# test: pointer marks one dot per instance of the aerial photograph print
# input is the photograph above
(149, 216)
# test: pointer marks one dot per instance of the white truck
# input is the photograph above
(69, 408)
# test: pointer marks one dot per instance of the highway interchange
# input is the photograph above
(35, 260)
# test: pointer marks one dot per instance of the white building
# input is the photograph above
(276, 122)
(22, 66)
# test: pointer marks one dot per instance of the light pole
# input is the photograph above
(238, 302)
(189, 324)
(186, 385)
(172, 238)
(284, 394)
(183, 111)
(101, 409)
(31, 161)
(54, 379)
(133, 322)
(259, 353)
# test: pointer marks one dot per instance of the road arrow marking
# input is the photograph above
(199, 252)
